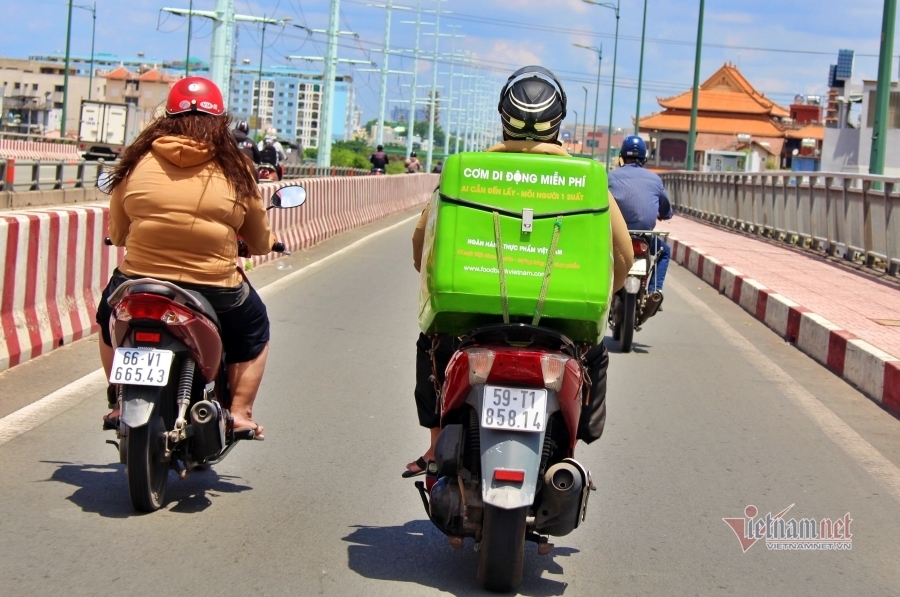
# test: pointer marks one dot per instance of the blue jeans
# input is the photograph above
(662, 263)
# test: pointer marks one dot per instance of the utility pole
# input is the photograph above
(62, 124)
(434, 75)
(223, 19)
(696, 92)
(382, 95)
(453, 37)
(323, 157)
(637, 112)
(411, 121)
(883, 92)
(187, 60)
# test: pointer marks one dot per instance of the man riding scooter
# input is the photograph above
(643, 200)
(532, 106)
(271, 151)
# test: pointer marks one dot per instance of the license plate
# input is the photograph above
(639, 268)
(514, 409)
(141, 366)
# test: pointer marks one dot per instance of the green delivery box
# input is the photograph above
(529, 199)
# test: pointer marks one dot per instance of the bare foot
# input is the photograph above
(241, 422)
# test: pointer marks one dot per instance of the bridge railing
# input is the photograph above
(853, 216)
(47, 175)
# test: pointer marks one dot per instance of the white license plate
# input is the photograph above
(141, 366)
(514, 409)
(639, 268)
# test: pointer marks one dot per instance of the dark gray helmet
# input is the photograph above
(532, 104)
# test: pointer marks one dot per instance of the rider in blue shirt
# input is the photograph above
(643, 200)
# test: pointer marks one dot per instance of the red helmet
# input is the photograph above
(195, 94)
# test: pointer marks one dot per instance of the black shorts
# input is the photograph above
(242, 317)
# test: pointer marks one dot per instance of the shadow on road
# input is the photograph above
(418, 553)
(103, 489)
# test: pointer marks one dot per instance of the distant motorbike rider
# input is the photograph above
(244, 142)
(379, 159)
(413, 165)
(643, 200)
(532, 106)
(271, 151)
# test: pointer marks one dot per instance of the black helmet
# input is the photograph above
(532, 104)
(242, 126)
(412, 154)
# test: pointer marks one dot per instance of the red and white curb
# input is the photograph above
(875, 372)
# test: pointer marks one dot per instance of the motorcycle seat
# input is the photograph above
(207, 307)
(152, 289)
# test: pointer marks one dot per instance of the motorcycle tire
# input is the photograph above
(617, 316)
(146, 467)
(629, 319)
(502, 554)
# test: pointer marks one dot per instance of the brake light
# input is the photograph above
(553, 367)
(640, 246)
(481, 360)
(508, 475)
(148, 307)
(148, 337)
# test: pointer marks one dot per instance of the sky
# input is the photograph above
(782, 48)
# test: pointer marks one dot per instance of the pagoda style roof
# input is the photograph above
(727, 91)
(712, 122)
(121, 74)
(810, 131)
(156, 76)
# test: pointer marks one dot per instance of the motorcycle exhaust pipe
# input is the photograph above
(207, 422)
(561, 497)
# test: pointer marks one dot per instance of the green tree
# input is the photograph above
(311, 153)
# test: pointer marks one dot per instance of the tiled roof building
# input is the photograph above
(732, 115)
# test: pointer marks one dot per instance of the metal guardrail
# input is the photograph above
(47, 175)
(853, 216)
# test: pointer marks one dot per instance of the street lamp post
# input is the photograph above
(637, 112)
(584, 122)
(696, 90)
(262, 47)
(62, 124)
(599, 52)
(575, 134)
(187, 60)
(612, 91)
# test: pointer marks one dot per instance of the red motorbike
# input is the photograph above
(267, 173)
(169, 374)
(504, 471)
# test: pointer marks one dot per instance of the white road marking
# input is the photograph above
(27, 418)
(883, 470)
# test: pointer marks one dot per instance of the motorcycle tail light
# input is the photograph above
(553, 367)
(481, 360)
(639, 246)
(508, 475)
(152, 308)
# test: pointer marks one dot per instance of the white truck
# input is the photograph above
(106, 129)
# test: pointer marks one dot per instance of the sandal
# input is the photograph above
(423, 468)
(110, 422)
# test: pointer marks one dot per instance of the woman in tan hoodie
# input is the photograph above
(181, 194)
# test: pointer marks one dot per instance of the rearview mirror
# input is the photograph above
(104, 182)
(286, 197)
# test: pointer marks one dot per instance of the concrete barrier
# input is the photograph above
(56, 265)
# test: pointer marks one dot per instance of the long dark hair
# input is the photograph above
(212, 131)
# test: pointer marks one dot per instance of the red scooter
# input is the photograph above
(169, 374)
(503, 471)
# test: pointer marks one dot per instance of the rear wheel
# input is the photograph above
(617, 316)
(146, 465)
(502, 548)
(628, 321)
